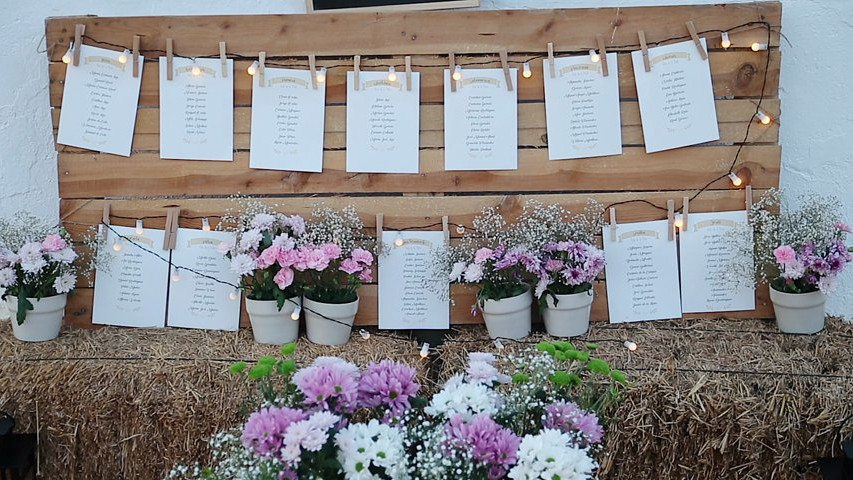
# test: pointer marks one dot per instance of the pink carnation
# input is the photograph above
(843, 227)
(317, 260)
(268, 257)
(362, 256)
(483, 254)
(288, 258)
(366, 275)
(53, 243)
(785, 255)
(331, 250)
(284, 278)
(350, 266)
(554, 265)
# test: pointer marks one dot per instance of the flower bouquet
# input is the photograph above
(36, 274)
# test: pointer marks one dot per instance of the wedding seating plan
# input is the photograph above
(642, 272)
(199, 302)
(407, 297)
(196, 110)
(481, 121)
(383, 123)
(131, 290)
(99, 102)
(288, 117)
(676, 97)
(708, 255)
(582, 108)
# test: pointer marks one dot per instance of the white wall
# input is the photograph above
(816, 98)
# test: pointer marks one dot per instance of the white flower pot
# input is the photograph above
(570, 316)
(271, 325)
(42, 322)
(509, 317)
(322, 330)
(800, 313)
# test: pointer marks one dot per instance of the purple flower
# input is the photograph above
(490, 444)
(574, 276)
(843, 227)
(388, 384)
(568, 417)
(329, 383)
(265, 429)
(554, 265)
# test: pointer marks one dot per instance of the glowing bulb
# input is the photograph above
(205, 224)
(498, 344)
(364, 334)
(196, 70)
(233, 295)
(631, 346)
(321, 75)
(460, 229)
(68, 55)
(122, 57)
(457, 73)
(176, 277)
(253, 68)
(117, 245)
(525, 71)
(763, 118)
(679, 221)
(398, 241)
(296, 311)
(594, 56)
(736, 181)
(139, 230)
(758, 46)
(725, 42)
(425, 350)
(392, 74)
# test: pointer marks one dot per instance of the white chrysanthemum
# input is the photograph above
(242, 264)
(456, 272)
(34, 266)
(7, 277)
(66, 255)
(460, 398)
(551, 454)
(284, 241)
(64, 283)
(263, 221)
(473, 273)
(362, 445)
(250, 240)
(482, 372)
(482, 357)
(30, 252)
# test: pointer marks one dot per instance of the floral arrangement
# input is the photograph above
(36, 261)
(535, 415)
(797, 248)
(567, 267)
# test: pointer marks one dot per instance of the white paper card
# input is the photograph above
(131, 292)
(582, 108)
(708, 256)
(642, 272)
(481, 121)
(407, 296)
(99, 102)
(383, 123)
(197, 110)
(199, 302)
(288, 118)
(676, 98)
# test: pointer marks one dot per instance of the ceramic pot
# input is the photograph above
(509, 317)
(329, 323)
(42, 322)
(799, 313)
(271, 325)
(569, 316)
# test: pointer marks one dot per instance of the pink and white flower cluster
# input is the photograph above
(39, 268)
(568, 267)
(806, 267)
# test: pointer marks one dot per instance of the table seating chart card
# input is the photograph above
(383, 123)
(708, 255)
(99, 102)
(131, 291)
(197, 110)
(288, 117)
(582, 108)
(676, 97)
(407, 297)
(481, 121)
(642, 272)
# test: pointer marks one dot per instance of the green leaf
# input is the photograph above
(583, 356)
(619, 376)
(574, 379)
(561, 378)
(23, 305)
(599, 366)
(288, 349)
(546, 347)
(267, 360)
(260, 371)
(286, 367)
(237, 368)
(520, 378)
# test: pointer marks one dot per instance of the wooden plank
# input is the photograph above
(475, 31)
(734, 73)
(95, 175)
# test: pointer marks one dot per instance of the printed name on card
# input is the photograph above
(99, 102)
(131, 290)
(196, 301)
(582, 108)
(481, 121)
(642, 272)
(383, 123)
(197, 110)
(288, 119)
(708, 258)
(676, 97)
(408, 298)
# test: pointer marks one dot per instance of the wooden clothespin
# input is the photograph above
(223, 59)
(262, 58)
(452, 59)
(356, 68)
(312, 66)
(79, 31)
(613, 224)
(602, 53)
(205, 224)
(685, 205)
(135, 56)
(748, 202)
(105, 220)
(169, 63)
(695, 36)
(445, 226)
(551, 60)
(408, 73)
(171, 231)
(670, 215)
(379, 220)
(505, 66)
(645, 50)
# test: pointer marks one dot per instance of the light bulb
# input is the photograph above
(594, 56)
(525, 70)
(763, 118)
(321, 75)
(736, 181)
(725, 42)
(233, 295)
(631, 346)
(205, 224)
(122, 57)
(139, 230)
(758, 46)
(498, 344)
(398, 241)
(457, 73)
(296, 311)
(68, 55)
(425, 350)
(679, 221)
(392, 74)
(196, 70)
(364, 334)
(460, 229)
(117, 246)
(176, 277)
(253, 68)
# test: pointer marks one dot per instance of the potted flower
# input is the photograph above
(264, 253)
(799, 251)
(36, 275)
(335, 259)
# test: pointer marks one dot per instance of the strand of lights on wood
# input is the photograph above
(631, 346)
(398, 240)
(679, 221)
(253, 68)
(725, 42)
(296, 311)
(457, 73)
(196, 70)
(757, 47)
(117, 246)
(525, 70)
(66, 58)
(736, 181)
(594, 57)
(139, 230)
(392, 74)
(763, 117)
(176, 277)
(122, 57)
(321, 75)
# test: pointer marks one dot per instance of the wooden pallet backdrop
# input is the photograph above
(143, 185)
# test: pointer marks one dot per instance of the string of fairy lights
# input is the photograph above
(760, 116)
